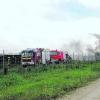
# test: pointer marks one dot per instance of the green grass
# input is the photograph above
(40, 84)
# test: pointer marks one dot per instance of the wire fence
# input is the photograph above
(11, 60)
(84, 57)
(8, 59)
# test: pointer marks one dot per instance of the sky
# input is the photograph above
(47, 23)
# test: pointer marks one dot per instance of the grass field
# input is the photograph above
(45, 83)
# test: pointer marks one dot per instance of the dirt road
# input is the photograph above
(90, 92)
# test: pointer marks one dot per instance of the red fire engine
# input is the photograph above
(57, 56)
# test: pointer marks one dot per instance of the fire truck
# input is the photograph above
(35, 56)
(58, 56)
(42, 56)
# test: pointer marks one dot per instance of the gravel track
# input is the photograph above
(89, 92)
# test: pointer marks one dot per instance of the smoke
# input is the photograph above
(90, 50)
(96, 35)
(97, 47)
(75, 46)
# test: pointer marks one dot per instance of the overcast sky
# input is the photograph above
(47, 23)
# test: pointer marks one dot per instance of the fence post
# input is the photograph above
(73, 56)
(3, 60)
(4, 68)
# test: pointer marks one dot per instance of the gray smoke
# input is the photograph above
(90, 49)
(97, 47)
(75, 46)
(96, 35)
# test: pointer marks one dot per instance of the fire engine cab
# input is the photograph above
(57, 56)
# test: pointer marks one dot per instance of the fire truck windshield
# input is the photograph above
(54, 53)
(27, 54)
